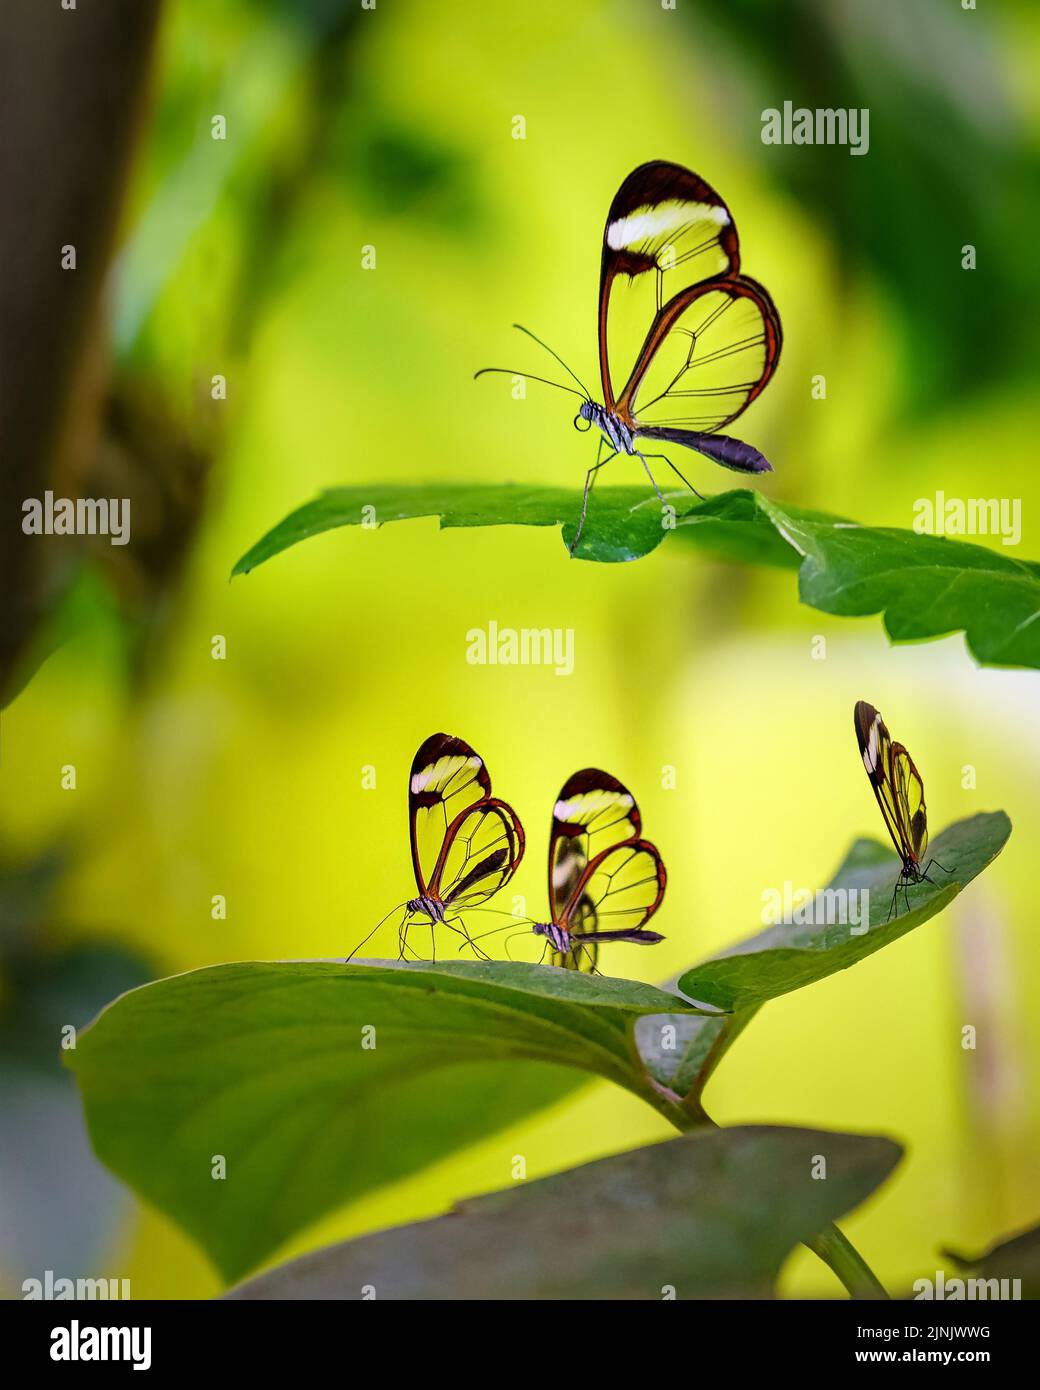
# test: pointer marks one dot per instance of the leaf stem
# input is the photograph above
(830, 1245)
(836, 1250)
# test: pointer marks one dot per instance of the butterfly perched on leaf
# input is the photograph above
(899, 790)
(686, 341)
(605, 880)
(465, 843)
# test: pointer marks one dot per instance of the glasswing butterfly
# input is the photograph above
(605, 880)
(465, 843)
(899, 791)
(670, 279)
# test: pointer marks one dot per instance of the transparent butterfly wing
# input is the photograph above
(592, 812)
(666, 229)
(446, 778)
(714, 350)
(896, 784)
(618, 893)
(909, 790)
(481, 852)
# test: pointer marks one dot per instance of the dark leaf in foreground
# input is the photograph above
(710, 1215)
(1015, 1257)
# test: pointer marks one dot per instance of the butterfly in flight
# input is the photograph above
(465, 843)
(710, 337)
(605, 881)
(899, 791)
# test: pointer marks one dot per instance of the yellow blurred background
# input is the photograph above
(393, 128)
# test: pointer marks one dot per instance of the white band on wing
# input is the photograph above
(643, 225)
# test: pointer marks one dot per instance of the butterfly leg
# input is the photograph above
(679, 475)
(589, 480)
(653, 483)
(584, 948)
(407, 950)
(941, 866)
(478, 951)
(892, 905)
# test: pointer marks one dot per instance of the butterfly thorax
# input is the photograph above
(912, 871)
(617, 432)
(558, 936)
(429, 907)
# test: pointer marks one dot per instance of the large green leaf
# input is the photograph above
(269, 1064)
(624, 523)
(710, 1215)
(926, 586)
(794, 954)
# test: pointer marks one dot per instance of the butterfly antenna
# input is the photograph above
(517, 923)
(372, 933)
(563, 364)
(473, 942)
(514, 937)
(478, 951)
(509, 371)
(462, 930)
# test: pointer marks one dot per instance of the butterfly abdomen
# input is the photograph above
(720, 448)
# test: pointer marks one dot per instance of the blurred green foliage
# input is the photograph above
(57, 1204)
(952, 162)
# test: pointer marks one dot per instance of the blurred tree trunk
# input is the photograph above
(72, 86)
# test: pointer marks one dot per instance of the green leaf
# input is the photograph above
(266, 1063)
(713, 1214)
(791, 955)
(1014, 1257)
(681, 1051)
(624, 523)
(926, 586)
